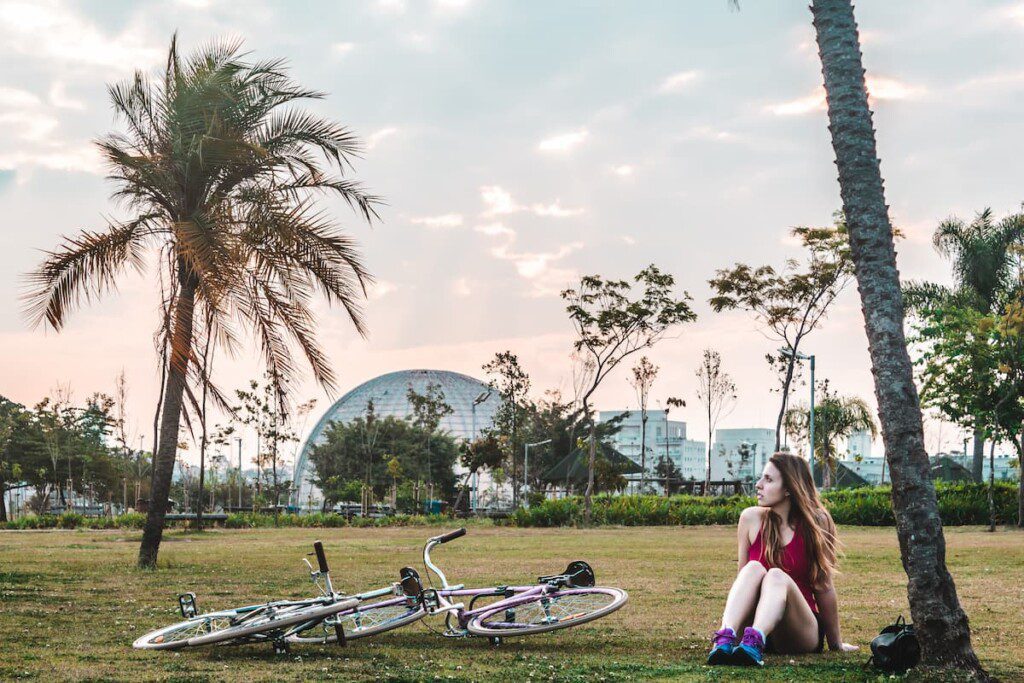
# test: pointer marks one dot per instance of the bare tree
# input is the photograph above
(717, 393)
(643, 377)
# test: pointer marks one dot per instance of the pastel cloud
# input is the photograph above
(499, 202)
(564, 142)
(443, 222)
(677, 82)
(378, 136)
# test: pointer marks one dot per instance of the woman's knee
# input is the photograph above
(776, 578)
(756, 568)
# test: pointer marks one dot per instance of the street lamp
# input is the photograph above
(484, 395)
(800, 356)
(240, 478)
(526, 465)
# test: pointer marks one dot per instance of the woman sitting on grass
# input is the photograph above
(782, 599)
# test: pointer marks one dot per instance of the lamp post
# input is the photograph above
(526, 465)
(801, 356)
(240, 478)
(484, 395)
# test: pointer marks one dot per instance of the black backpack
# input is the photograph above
(896, 649)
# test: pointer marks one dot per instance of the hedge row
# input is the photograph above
(959, 504)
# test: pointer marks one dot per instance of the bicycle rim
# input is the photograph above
(177, 635)
(561, 609)
(362, 621)
(288, 616)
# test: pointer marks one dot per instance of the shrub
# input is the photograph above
(959, 504)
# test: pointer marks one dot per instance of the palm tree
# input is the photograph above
(220, 177)
(835, 417)
(984, 263)
(938, 617)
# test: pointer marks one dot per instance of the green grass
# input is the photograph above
(71, 602)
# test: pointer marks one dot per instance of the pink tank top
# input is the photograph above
(794, 563)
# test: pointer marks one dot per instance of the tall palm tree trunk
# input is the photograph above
(163, 461)
(939, 619)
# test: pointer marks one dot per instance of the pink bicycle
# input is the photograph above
(554, 602)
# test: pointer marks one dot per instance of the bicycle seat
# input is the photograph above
(410, 581)
(577, 575)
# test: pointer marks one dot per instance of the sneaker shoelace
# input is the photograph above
(753, 639)
(724, 636)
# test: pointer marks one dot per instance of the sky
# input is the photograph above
(519, 145)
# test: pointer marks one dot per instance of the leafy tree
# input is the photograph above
(972, 369)
(220, 177)
(611, 326)
(984, 264)
(512, 383)
(643, 377)
(428, 409)
(486, 452)
(938, 617)
(343, 469)
(717, 393)
(549, 418)
(670, 476)
(835, 417)
(259, 408)
(789, 303)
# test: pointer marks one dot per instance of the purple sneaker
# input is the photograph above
(750, 651)
(722, 644)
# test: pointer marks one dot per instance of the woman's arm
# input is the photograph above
(749, 518)
(828, 604)
(828, 611)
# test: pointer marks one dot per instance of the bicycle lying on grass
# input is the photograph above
(271, 622)
(555, 602)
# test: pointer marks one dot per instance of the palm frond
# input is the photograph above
(83, 267)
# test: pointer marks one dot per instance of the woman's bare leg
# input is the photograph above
(783, 612)
(743, 596)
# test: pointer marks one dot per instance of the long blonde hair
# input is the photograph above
(815, 523)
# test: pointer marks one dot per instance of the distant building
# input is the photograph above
(741, 454)
(665, 438)
(870, 469)
(858, 445)
(1005, 465)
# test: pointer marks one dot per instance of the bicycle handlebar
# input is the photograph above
(452, 535)
(321, 559)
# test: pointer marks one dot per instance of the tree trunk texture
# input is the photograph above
(785, 402)
(163, 460)
(1020, 483)
(592, 456)
(977, 464)
(991, 487)
(938, 617)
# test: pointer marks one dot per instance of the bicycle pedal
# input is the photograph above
(430, 600)
(187, 605)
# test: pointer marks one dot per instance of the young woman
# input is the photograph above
(782, 599)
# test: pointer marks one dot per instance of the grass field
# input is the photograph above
(71, 602)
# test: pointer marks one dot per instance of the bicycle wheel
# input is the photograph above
(177, 635)
(366, 619)
(280, 617)
(561, 609)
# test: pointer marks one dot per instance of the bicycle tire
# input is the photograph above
(534, 616)
(289, 617)
(176, 636)
(362, 621)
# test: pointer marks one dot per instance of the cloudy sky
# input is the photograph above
(520, 145)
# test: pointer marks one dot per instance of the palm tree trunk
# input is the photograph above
(938, 617)
(1020, 481)
(991, 486)
(163, 461)
(977, 464)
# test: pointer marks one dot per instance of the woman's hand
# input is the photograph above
(844, 647)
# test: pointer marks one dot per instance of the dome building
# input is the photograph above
(473, 407)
